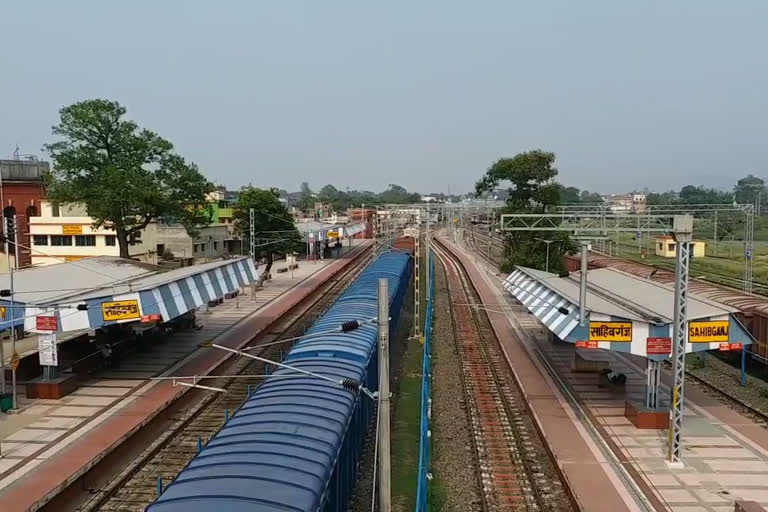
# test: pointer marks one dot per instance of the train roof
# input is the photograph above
(279, 450)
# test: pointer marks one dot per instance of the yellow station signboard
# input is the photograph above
(708, 332)
(610, 331)
(120, 310)
(71, 229)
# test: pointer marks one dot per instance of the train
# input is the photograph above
(296, 442)
(753, 309)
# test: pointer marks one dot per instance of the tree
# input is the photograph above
(532, 177)
(275, 231)
(306, 197)
(570, 195)
(691, 194)
(127, 177)
(590, 197)
(750, 190)
(662, 198)
(533, 190)
(397, 194)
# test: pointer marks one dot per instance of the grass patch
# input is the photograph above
(405, 430)
(406, 414)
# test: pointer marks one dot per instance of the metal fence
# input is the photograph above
(426, 401)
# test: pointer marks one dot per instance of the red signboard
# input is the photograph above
(725, 347)
(658, 346)
(46, 323)
(151, 318)
(586, 344)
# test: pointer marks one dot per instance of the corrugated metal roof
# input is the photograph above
(609, 292)
(149, 281)
(56, 282)
(280, 450)
(168, 294)
(748, 302)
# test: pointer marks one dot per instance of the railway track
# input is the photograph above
(738, 404)
(137, 485)
(515, 468)
(481, 248)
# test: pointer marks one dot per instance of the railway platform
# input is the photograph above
(48, 444)
(725, 453)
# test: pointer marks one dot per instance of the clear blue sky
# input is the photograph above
(426, 94)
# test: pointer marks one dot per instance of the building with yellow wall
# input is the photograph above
(666, 247)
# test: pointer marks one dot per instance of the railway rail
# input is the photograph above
(714, 389)
(478, 241)
(137, 485)
(515, 467)
(736, 403)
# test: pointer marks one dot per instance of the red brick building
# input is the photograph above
(367, 215)
(21, 191)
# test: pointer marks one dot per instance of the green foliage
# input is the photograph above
(588, 197)
(663, 198)
(340, 200)
(750, 189)
(275, 229)
(527, 249)
(532, 177)
(534, 189)
(306, 196)
(691, 194)
(398, 195)
(127, 177)
(572, 195)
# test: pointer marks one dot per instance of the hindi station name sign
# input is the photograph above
(120, 310)
(610, 331)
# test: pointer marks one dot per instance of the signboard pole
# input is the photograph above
(743, 365)
(47, 354)
(383, 416)
(583, 284)
(653, 375)
(680, 323)
(2, 362)
(252, 227)
(11, 233)
(416, 283)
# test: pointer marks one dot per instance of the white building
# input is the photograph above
(66, 233)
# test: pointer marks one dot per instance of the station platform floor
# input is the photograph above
(725, 454)
(47, 444)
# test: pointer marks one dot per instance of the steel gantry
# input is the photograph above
(704, 210)
(586, 224)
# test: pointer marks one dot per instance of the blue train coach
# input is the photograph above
(295, 444)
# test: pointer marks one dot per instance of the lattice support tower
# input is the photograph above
(252, 228)
(596, 224)
(683, 236)
(416, 283)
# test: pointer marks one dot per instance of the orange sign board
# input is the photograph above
(586, 344)
(120, 310)
(71, 229)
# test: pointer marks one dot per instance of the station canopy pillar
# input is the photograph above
(653, 375)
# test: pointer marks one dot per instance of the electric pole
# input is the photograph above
(383, 419)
